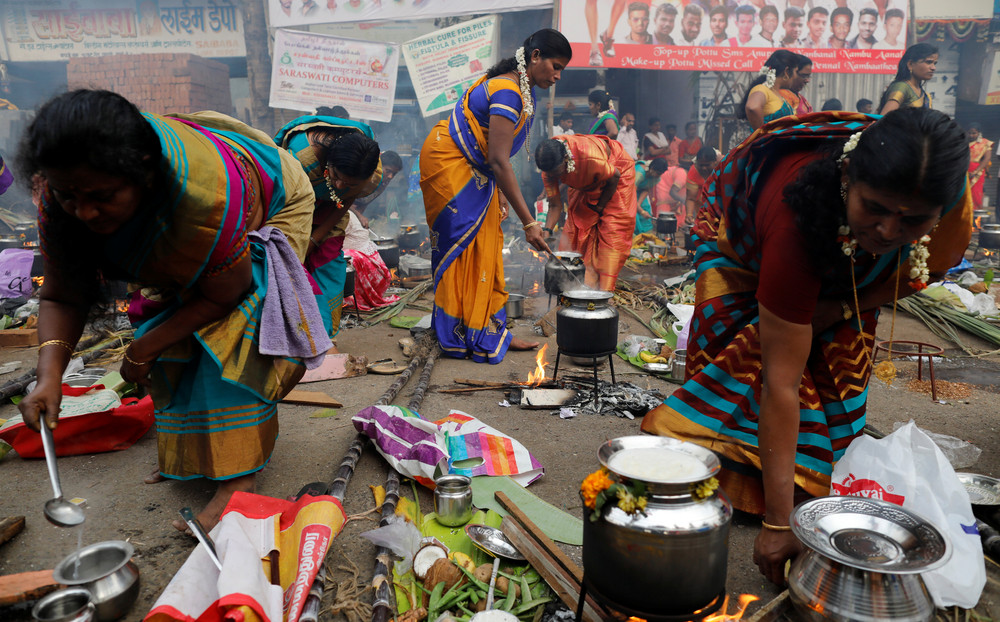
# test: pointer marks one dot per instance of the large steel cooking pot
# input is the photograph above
(669, 560)
(666, 224)
(388, 250)
(410, 237)
(989, 236)
(569, 275)
(586, 325)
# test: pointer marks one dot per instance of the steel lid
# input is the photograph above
(869, 534)
(982, 489)
(587, 294)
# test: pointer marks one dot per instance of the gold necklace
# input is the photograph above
(886, 370)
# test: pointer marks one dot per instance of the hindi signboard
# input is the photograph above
(445, 63)
(50, 30)
(298, 12)
(666, 34)
(311, 70)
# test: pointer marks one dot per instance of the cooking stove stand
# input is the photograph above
(594, 357)
(701, 614)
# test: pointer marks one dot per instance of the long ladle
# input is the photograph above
(59, 511)
(494, 542)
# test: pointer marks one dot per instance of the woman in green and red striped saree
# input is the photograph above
(778, 369)
(169, 204)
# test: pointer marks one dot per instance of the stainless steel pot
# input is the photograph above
(514, 306)
(453, 500)
(388, 250)
(666, 224)
(586, 325)
(68, 605)
(569, 275)
(989, 236)
(410, 237)
(104, 569)
(669, 560)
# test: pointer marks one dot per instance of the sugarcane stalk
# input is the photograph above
(382, 607)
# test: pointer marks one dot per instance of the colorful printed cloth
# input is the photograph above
(326, 263)
(718, 405)
(462, 203)
(797, 101)
(215, 394)
(599, 127)
(605, 239)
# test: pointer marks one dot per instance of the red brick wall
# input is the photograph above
(157, 82)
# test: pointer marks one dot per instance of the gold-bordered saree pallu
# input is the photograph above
(462, 203)
(215, 394)
(717, 407)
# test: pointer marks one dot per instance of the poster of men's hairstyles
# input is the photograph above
(735, 35)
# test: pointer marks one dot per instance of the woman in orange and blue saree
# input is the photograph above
(602, 200)
(805, 230)
(467, 181)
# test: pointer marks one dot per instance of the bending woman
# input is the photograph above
(605, 118)
(797, 249)
(174, 204)
(467, 179)
(915, 68)
(763, 102)
(341, 158)
(602, 200)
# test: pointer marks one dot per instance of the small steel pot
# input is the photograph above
(388, 250)
(106, 571)
(989, 236)
(666, 224)
(569, 275)
(453, 500)
(514, 306)
(418, 272)
(824, 590)
(68, 605)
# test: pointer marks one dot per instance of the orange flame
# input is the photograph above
(722, 615)
(122, 306)
(537, 376)
(534, 289)
(38, 280)
(978, 223)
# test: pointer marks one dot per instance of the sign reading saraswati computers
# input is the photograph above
(445, 63)
(47, 30)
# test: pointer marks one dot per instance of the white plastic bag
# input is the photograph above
(908, 469)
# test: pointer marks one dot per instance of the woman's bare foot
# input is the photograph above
(209, 517)
(154, 478)
(521, 344)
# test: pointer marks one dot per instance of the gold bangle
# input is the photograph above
(58, 342)
(129, 360)
(771, 527)
(533, 223)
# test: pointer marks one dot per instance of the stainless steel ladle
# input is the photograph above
(59, 511)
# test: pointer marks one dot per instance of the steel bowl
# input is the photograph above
(514, 306)
(67, 605)
(104, 569)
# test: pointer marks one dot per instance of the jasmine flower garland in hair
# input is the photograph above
(527, 106)
(333, 193)
(849, 146)
(919, 274)
(568, 153)
(770, 75)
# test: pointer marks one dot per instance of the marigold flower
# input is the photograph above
(593, 485)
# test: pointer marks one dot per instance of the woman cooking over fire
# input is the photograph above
(980, 152)
(341, 158)
(199, 211)
(467, 179)
(602, 200)
(824, 221)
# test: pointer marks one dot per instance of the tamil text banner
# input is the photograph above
(445, 63)
(47, 30)
(297, 12)
(311, 70)
(861, 36)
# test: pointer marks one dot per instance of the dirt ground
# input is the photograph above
(120, 506)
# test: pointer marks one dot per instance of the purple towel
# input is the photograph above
(290, 323)
(6, 177)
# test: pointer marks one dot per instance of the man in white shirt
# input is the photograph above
(627, 135)
(565, 125)
(691, 24)
(893, 28)
(768, 16)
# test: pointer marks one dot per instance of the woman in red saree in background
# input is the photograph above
(467, 180)
(371, 276)
(779, 350)
(602, 200)
(176, 205)
(980, 152)
(342, 161)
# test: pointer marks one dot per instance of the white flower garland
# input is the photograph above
(770, 76)
(849, 146)
(919, 254)
(568, 153)
(847, 242)
(333, 193)
(527, 106)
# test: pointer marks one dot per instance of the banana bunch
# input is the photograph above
(649, 357)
